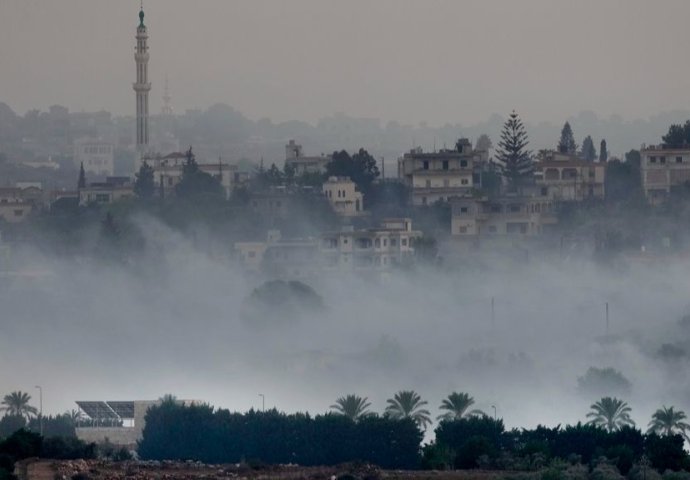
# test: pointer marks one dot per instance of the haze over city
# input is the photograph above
(356, 236)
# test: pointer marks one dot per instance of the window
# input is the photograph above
(462, 229)
(464, 181)
(423, 200)
(495, 209)
(679, 159)
(377, 243)
(394, 242)
(428, 184)
(463, 209)
(445, 164)
(463, 163)
(385, 242)
(403, 242)
(345, 241)
(514, 207)
(652, 159)
(426, 165)
(662, 160)
(18, 213)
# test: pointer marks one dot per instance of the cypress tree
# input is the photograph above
(513, 158)
(567, 142)
(81, 183)
(144, 185)
(589, 153)
(603, 152)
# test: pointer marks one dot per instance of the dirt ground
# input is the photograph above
(102, 470)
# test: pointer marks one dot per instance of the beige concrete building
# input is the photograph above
(120, 422)
(380, 248)
(295, 158)
(509, 215)
(569, 178)
(96, 154)
(663, 169)
(440, 175)
(168, 172)
(16, 204)
(103, 193)
(343, 196)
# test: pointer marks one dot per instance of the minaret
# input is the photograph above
(142, 86)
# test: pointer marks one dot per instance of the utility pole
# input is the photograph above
(40, 414)
(263, 402)
(607, 319)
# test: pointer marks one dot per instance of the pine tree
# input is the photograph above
(144, 185)
(588, 153)
(81, 183)
(567, 142)
(603, 152)
(513, 158)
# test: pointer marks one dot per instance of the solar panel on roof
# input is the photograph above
(98, 410)
(122, 409)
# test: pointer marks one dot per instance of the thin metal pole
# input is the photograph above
(263, 402)
(40, 400)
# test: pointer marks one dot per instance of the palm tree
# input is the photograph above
(456, 405)
(17, 403)
(667, 421)
(408, 404)
(610, 413)
(352, 406)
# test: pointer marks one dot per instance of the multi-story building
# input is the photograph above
(343, 196)
(567, 177)
(167, 172)
(440, 175)
(663, 168)
(508, 215)
(392, 243)
(301, 164)
(97, 155)
(112, 190)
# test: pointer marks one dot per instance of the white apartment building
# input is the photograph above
(112, 190)
(376, 249)
(440, 175)
(508, 215)
(343, 196)
(96, 154)
(663, 169)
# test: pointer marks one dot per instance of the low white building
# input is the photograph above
(103, 193)
(343, 196)
(301, 164)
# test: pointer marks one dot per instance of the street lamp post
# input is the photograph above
(263, 402)
(40, 405)
(495, 416)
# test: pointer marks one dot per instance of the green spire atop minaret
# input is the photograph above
(141, 15)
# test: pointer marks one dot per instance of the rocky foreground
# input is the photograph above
(37, 469)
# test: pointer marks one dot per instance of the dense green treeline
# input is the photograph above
(201, 433)
(217, 436)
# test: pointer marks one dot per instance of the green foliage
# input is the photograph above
(10, 424)
(360, 167)
(17, 403)
(67, 448)
(666, 452)
(200, 433)
(470, 438)
(677, 135)
(623, 183)
(196, 184)
(144, 185)
(351, 406)
(667, 421)
(611, 414)
(588, 151)
(55, 426)
(513, 158)
(603, 152)
(81, 182)
(456, 406)
(408, 404)
(567, 144)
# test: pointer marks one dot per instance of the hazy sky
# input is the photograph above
(425, 60)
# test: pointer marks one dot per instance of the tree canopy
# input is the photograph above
(513, 158)
(360, 167)
(567, 144)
